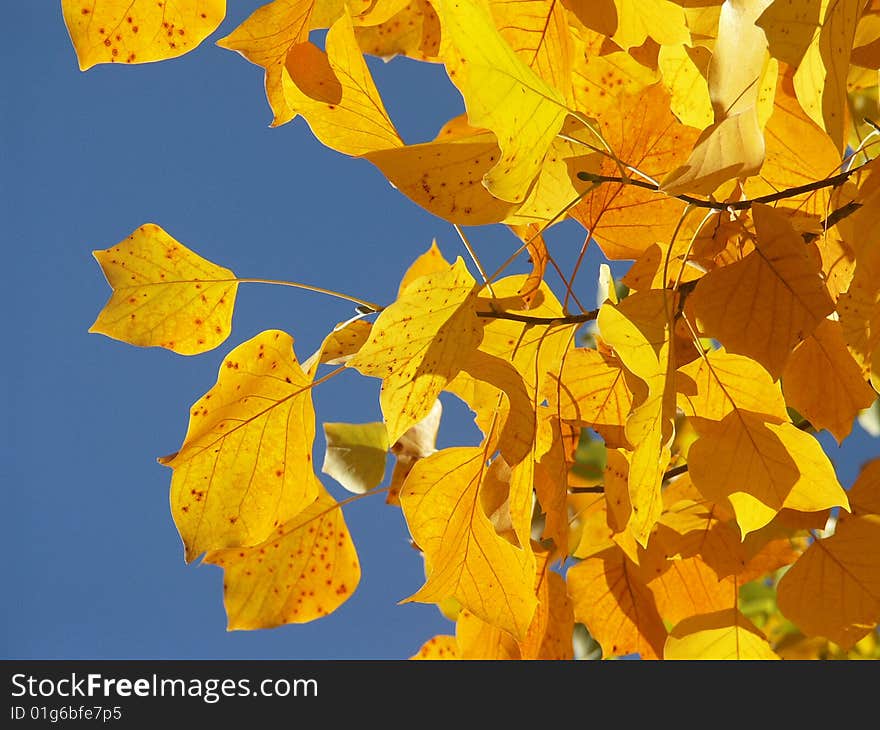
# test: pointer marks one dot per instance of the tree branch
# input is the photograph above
(527, 319)
(828, 182)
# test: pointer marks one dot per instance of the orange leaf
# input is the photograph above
(763, 305)
(865, 493)
(690, 587)
(823, 382)
(833, 590)
(611, 600)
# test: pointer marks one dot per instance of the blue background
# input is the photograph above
(93, 564)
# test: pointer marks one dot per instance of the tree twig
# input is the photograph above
(527, 319)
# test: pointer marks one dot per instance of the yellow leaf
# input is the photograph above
(722, 635)
(340, 345)
(306, 569)
(419, 343)
(478, 640)
(355, 454)
(164, 295)
(823, 382)
(761, 467)
(866, 45)
(538, 258)
(592, 390)
(637, 330)
(469, 560)
(612, 601)
(720, 383)
(265, 39)
(625, 219)
(790, 28)
(445, 177)
(598, 15)
(430, 262)
(537, 30)
(335, 94)
(501, 93)
(662, 20)
(833, 590)
(763, 305)
(442, 646)
(787, 163)
(684, 76)
(619, 507)
(243, 469)
(138, 31)
(734, 145)
(820, 79)
(413, 32)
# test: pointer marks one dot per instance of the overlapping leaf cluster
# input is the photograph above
(723, 148)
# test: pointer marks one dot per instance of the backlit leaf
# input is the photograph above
(721, 635)
(662, 20)
(419, 343)
(413, 32)
(549, 636)
(865, 493)
(820, 79)
(765, 304)
(469, 561)
(355, 454)
(430, 262)
(335, 93)
(761, 467)
(612, 601)
(501, 93)
(833, 590)
(824, 383)
(441, 646)
(164, 295)
(306, 569)
(790, 27)
(690, 587)
(138, 31)
(243, 469)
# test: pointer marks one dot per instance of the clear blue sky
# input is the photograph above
(93, 564)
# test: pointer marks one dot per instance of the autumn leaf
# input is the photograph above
(790, 28)
(864, 496)
(624, 219)
(430, 262)
(820, 79)
(725, 634)
(355, 454)
(138, 31)
(824, 383)
(164, 295)
(549, 636)
(340, 345)
(419, 343)
(413, 32)
(761, 467)
(684, 72)
(442, 646)
(765, 304)
(335, 93)
(690, 587)
(239, 473)
(306, 569)
(613, 602)
(734, 145)
(501, 93)
(476, 639)
(859, 311)
(833, 590)
(470, 561)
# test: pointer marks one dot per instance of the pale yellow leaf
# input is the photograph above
(355, 454)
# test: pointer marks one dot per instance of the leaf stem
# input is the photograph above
(567, 319)
(474, 258)
(308, 287)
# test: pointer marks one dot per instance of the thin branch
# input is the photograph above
(568, 319)
(833, 219)
(675, 472)
(599, 489)
(474, 258)
(832, 181)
